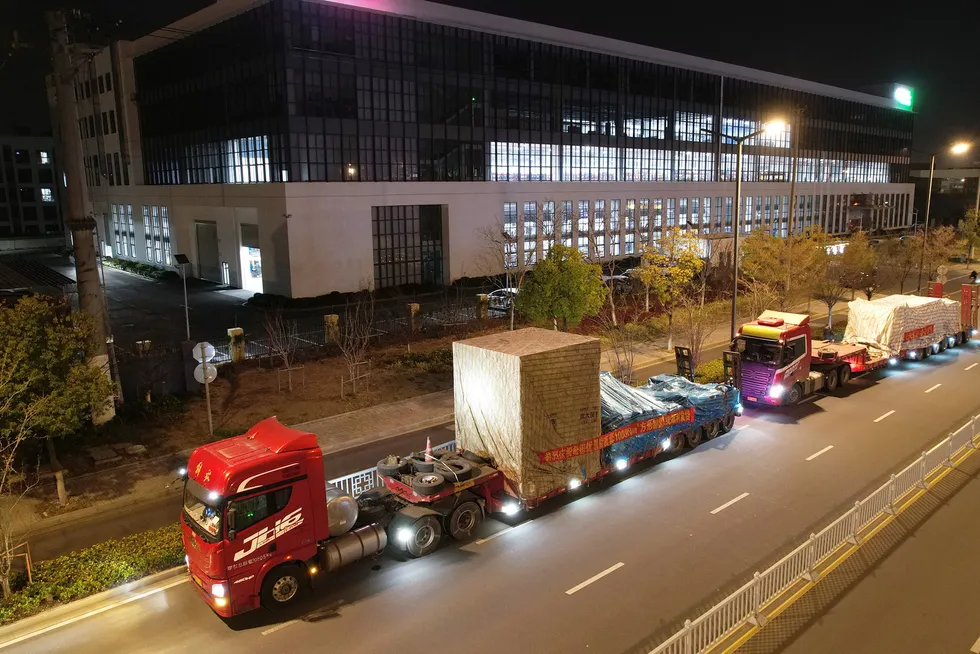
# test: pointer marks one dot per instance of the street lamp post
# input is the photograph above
(772, 127)
(182, 261)
(958, 148)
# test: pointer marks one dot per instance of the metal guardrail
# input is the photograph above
(365, 480)
(746, 604)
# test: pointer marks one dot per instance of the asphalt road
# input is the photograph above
(921, 598)
(670, 537)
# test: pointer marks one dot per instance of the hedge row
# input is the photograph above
(142, 269)
(92, 570)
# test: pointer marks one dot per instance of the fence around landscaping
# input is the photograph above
(310, 333)
(746, 605)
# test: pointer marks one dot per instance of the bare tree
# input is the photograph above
(700, 317)
(830, 288)
(281, 334)
(356, 327)
(622, 342)
(13, 485)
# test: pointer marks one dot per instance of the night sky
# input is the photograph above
(939, 57)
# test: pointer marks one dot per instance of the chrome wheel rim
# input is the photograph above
(285, 588)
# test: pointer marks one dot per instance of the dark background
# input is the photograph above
(938, 54)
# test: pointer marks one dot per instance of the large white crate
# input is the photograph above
(524, 393)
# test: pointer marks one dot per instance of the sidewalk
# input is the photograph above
(118, 489)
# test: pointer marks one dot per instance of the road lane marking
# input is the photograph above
(816, 454)
(976, 647)
(884, 415)
(278, 627)
(107, 607)
(933, 388)
(729, 503)
(481, 541)
(972, 366)
(575, 589)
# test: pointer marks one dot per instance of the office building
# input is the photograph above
(30, 206)
(301, 147)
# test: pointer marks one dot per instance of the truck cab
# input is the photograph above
(253, 503)
(775, 351)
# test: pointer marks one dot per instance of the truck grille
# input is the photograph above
(755, 381)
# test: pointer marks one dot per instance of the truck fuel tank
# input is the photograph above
(344, 550)
(341, 511)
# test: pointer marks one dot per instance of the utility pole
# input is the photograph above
(795, 136)
(82, 225)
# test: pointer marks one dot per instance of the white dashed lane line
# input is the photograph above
(816, 454)
(593, 579)
(729, 503)
(933, 388)
(972, 366)
(884, 415)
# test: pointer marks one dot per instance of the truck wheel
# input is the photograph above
(391, 466)
(942, 344)
(678, 442)
(845, 375)
(473, 457)
(925, 352)
(831, 377)
(428, 483)
(958, 339)
(712, 429)
(463, 520)
(795, 395)
(727, 423)
(420, 464)
(695, 436)
(456, 469)
(283, 586)
(424, 538)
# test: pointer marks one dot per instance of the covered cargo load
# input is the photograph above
(898, 323)
(530, 399)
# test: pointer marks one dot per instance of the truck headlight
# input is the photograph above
(218, 590)
(776, 391)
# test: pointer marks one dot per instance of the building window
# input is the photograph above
(614, 217)
(530, 233)
(112, 121)
(645, 219)
(109, 171)
(132, 230)
(157, 236)
(408, 244)
(165, 222)
(115, 167)
(682, 213)
(22, 156)
(47, 195)
(147, 233)
(567, 221)
(583, 217)
(108, 81)
(43, 158)
(599, 218)
(117, 230)
(27, 195)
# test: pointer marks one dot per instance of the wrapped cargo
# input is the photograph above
(899, 323)
(710, 401)
(530, 398)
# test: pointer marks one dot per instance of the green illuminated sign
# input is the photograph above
(903, 96)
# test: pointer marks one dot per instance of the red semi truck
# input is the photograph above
(782, 363)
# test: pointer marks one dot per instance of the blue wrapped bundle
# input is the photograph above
(710, 401)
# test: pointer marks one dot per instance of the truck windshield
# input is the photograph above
(202, 510)
(755, 350)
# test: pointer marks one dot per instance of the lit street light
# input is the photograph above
(956, 148)
(773, 127)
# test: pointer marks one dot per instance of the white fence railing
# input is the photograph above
(364, 480)
(745, 605)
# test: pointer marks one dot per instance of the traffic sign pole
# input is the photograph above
(205, 374)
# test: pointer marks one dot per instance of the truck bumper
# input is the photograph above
(223, 606)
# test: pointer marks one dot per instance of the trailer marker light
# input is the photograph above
(776, 391)
(404, 535)
(893, 361)
(220, 602)
(973, 332)
(313, 569)
(622, 464)
(912, 354)
(665, 444)
(573, 484)
(218, 590)
(510, 508)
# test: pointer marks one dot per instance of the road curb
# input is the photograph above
(57, 616)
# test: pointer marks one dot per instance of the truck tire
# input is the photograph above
(958, 339)
(712, 429)
(925, 352)
(428, 483)
(832, 379)
(456, 469)
(283, 586)
(462, 522)
(473, 457)
(678, 442)
(694, 437)
(727, 423)
(418, 462)
(943, 343)
(844, 376)
(425, 535)
(399, 467)
(795, 395)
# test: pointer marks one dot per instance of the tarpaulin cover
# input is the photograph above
(664, 394)
(901, 322)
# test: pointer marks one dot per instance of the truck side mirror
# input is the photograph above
(231, 522)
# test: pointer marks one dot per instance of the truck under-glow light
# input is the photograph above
(573, 484)
(218, 590)
(776, 391)
(622, 464)
(665, 444)
(912, 354)
(403, 535)
(893, 361)
(313, 569)
(738, 409)
(973, 332)
(510, 508)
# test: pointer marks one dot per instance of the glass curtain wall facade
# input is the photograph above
(307, 91)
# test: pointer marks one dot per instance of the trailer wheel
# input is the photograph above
(832, 379)
(463, 520)
(423, 537)
(428, 483)
(695, 436)
(391, 466)
(418, 461)
(678, 442)
(925, 352)
(283, 586)
(845, 374)
(712, 429)
(943, 343)
(795, 395)
(456, 469)
(958, 339)
(727, 423)
(473, 457)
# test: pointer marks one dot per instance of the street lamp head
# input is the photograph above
(775, 126)
(959, 148)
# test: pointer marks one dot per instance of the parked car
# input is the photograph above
(501, 299)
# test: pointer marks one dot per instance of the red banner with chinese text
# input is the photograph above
(629, 431)
(918, 333)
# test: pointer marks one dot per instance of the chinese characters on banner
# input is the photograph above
(629, 431)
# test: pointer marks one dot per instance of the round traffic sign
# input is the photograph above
(208, 352)
(205, 373)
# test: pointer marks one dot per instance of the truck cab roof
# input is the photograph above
(267, 453)
(773, 325)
